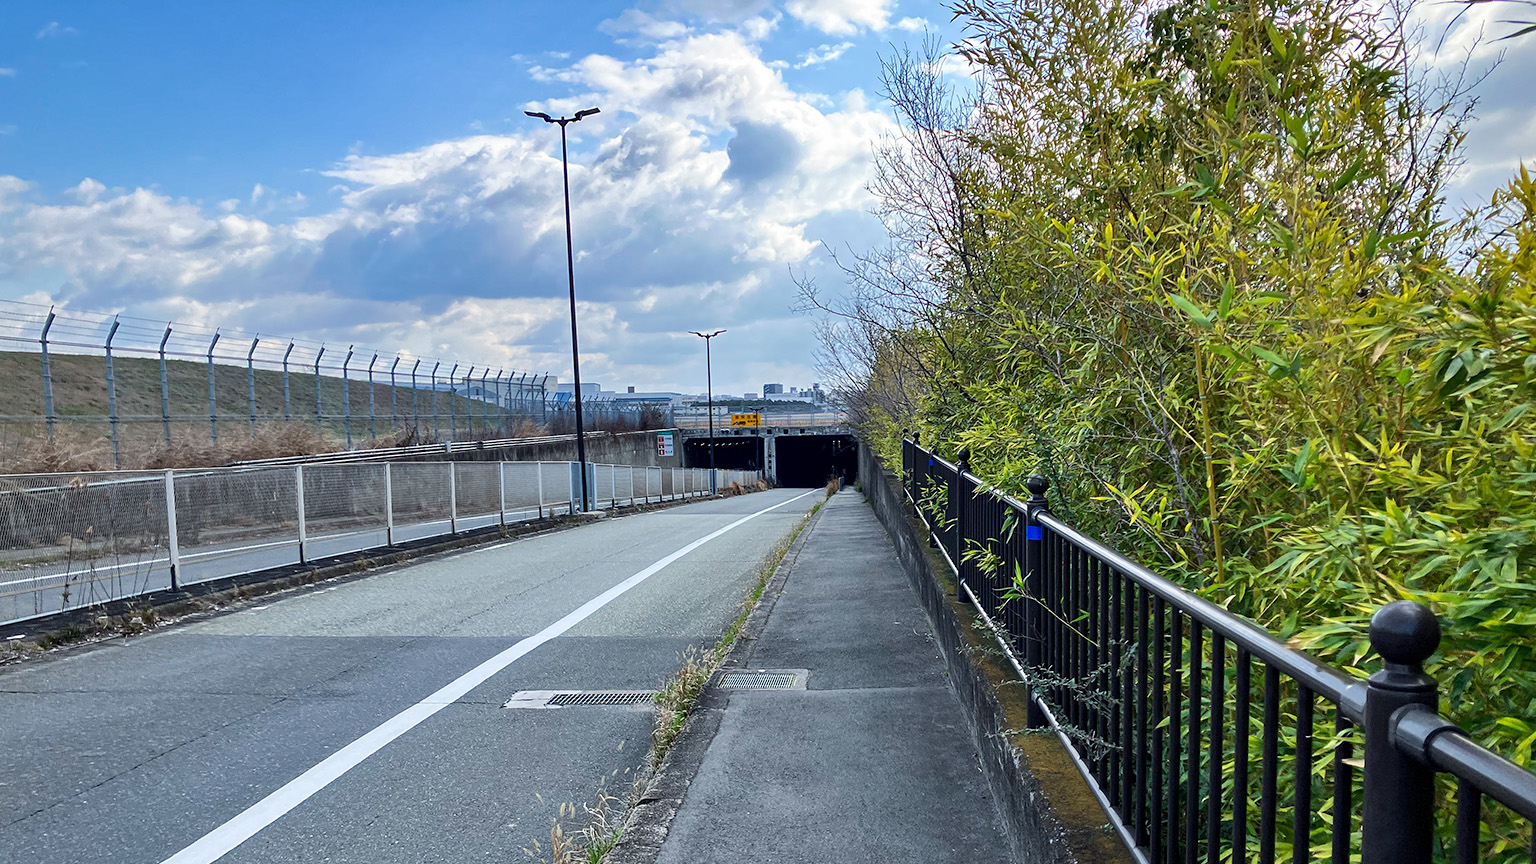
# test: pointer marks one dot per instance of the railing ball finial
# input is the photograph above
(965, 458)
(1405, 633)
(1037, 486)
(917, 436)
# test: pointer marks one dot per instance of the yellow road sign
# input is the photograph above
(746, 419)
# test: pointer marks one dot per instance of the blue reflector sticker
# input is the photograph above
(1032, 532)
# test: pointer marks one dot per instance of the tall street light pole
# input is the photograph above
(709, 383)
(570, 270)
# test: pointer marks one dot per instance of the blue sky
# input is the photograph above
(363, 172)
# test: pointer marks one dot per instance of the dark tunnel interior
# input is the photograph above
(812, 460)
(744, 453)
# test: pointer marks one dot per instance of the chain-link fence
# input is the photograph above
(79, 539)
(136, 389)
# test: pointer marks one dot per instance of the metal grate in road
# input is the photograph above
(764, 679)
(580, 698)
(603, 697)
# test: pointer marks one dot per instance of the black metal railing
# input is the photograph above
(1204, 737)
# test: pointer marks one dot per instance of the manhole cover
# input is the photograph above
(580, 698)
(764, 679)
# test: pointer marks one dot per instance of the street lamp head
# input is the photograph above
(707, 335)
(540, 115)
(586, 113)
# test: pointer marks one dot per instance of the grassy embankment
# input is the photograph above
(81, 404)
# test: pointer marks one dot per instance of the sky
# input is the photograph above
(363, 172)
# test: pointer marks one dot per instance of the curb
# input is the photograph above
(651, 817)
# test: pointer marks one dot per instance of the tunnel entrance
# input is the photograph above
(743, 453)
(811, 460)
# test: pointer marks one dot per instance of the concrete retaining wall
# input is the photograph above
(624, 448)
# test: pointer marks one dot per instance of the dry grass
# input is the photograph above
(834, 486)
(604, 821)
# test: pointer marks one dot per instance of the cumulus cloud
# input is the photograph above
(913, 25)
(841, 17)
(693, 192)
(638, 22)
(823, 54)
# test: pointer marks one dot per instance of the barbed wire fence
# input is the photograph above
(145, 387)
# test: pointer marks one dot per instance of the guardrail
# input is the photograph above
(1152, 690)
(75, 540)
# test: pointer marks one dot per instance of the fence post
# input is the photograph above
(389, 506)
(319, 414)
(415, 413)
(1399, 812)
(371, 430)
(171, 539)
(165, 388)
(453, 410)
(117, 461)
(394, 413)
(453, 498)
(48, 416)
(250, 379)
(962, 497)
(1034, 576)
(346, 396)
(298, 497)
(213, 403)
(287, 406)
(539, 470)
(501, 489)
(437, 429)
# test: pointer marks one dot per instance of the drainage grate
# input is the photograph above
(764, 679)
(603, 697)
(580, 698)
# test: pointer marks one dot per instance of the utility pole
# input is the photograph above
(570, 269)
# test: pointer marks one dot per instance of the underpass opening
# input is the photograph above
(812, 460)
(738, 453)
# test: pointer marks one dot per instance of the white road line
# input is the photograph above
(221, 840)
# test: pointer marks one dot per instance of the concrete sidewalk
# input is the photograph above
(872, 761)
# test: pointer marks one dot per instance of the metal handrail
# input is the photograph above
(1078, 632)
(1348, 693)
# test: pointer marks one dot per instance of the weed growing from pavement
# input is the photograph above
(679, 695)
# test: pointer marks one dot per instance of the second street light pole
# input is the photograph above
(709, 384)
(570, 269)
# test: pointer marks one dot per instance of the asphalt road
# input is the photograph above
(27, 593)
(177, 744)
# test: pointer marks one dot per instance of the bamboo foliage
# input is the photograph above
(1207, 286)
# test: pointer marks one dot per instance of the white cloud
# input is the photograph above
(87, 191)
(841, 17)
(642, 24)
(913, 25)
(701, 182)
(54, 29)
(823, 54)
(7, 72)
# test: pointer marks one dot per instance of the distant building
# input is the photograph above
(588, 390)
(769, 390)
